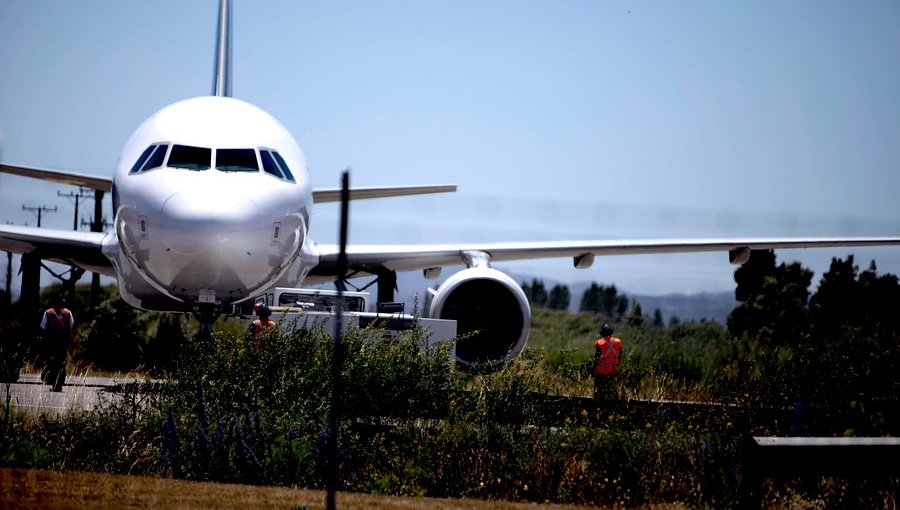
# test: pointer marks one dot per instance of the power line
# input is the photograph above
(81, 193)
(39, 211)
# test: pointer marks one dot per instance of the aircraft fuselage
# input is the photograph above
(211, 198)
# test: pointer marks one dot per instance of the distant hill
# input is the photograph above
(713, 306)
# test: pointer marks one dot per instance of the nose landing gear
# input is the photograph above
(206, 314)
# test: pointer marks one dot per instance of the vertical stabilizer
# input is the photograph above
(222, 77)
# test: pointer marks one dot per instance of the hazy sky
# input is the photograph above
(558, 119)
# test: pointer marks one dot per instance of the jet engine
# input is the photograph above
(492, 314)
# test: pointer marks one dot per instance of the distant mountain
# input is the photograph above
(713, 306)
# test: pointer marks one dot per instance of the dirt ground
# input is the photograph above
(32, 488)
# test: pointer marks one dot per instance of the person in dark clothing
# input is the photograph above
(56, 329)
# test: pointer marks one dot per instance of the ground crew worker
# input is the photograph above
(262, 323)
(56, 326)
(607, 353)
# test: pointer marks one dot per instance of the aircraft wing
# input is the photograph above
(71, 247)
(367, 258)
(97, 182)
(322, 195)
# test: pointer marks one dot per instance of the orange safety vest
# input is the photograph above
(609, 350)
(257, 327)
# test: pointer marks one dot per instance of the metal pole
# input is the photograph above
(336, 357)
(77, 196)
(9, 274)
(96, 226)
(39, 210)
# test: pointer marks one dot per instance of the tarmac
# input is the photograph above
(80, 393)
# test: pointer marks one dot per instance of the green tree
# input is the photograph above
(599, 298)
(559, 297)
(636, 317)
(591, 299)
(114, 339)
(853, 355)
(535, 292)
(658, 318)
(774, 300)
(837, 301)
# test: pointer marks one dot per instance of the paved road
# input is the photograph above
(30, 395)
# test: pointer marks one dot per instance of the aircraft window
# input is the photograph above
(156, 159)
(284, 167)
(236, 160)
(269, 164)
(190, 158)
(140, 160)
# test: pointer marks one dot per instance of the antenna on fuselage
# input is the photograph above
(222, 72)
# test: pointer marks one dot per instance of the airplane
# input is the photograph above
(212, 199)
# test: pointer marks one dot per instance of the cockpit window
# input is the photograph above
(190, 158)
(140, 160)
(156, 159)
(269, 164)
(236, 160)
(284, 168)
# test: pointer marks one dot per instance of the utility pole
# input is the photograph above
(97, 226)
(81, 193)
(104, 224)
(30, 266)
(39, 210)
(9, 274)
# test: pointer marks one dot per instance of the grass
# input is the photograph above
(32, 488)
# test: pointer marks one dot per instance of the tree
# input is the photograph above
(559, 297)
(114, 339)
(837, 301)
(658, 318)
(535, 292)
(591, 299)
(636, 317)
(599, 298)
(774, 300)
(750, 276)
(856, 325)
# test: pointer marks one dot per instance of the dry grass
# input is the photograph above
(32, 488)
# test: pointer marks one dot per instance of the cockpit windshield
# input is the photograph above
(190, 158)
(151, 158)
(236, 160)
(278, 169)
(201, 158)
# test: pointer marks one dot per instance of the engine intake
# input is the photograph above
(490, 310)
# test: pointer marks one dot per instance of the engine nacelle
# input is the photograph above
(486, 301)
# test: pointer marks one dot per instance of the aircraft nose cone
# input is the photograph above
(210, 207)
(214, 218)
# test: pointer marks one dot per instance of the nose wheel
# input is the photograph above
(206, 314)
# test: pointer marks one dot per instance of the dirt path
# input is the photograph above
(32, 488)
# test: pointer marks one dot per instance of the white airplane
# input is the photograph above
(211, 200)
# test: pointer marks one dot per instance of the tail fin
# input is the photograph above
(222, 72)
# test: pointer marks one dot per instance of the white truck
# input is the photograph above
(300, 308)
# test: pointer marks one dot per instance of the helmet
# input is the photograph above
(262, 310)
(606, 330)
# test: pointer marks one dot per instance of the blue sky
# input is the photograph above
(558, 120)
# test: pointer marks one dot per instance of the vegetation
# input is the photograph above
(414, 424)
